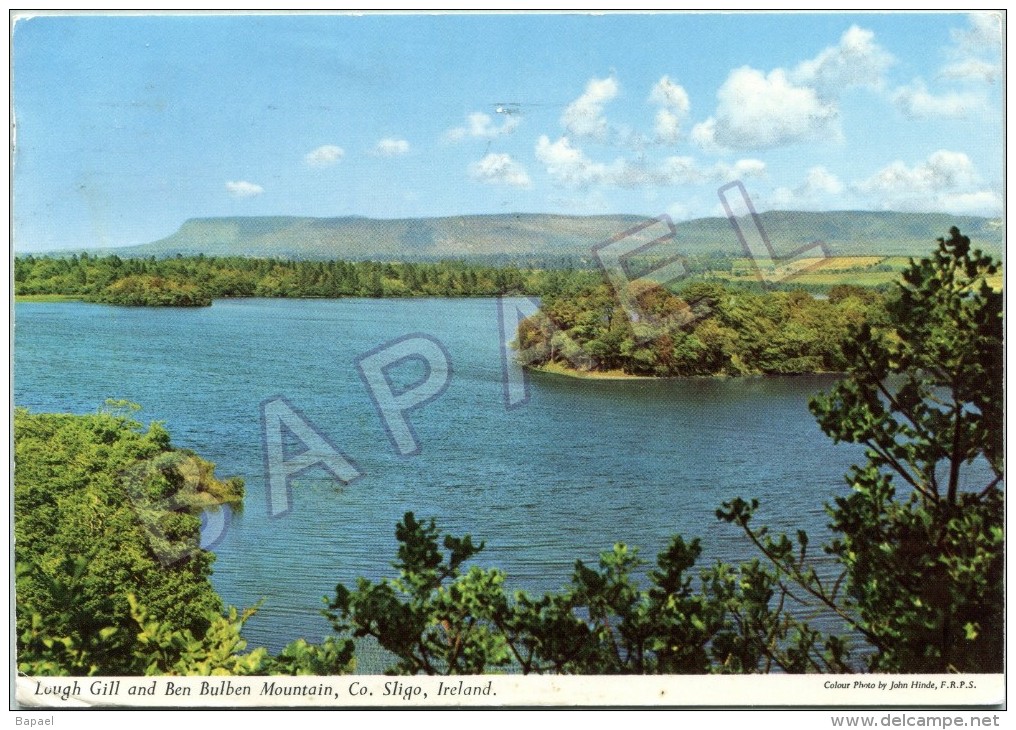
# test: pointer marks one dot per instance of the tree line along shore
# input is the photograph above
(708, 326)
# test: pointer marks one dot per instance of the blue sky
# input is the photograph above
(128, 125)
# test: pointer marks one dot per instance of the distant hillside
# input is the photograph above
(549, 236)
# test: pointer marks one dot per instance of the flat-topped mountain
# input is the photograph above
(548, 236)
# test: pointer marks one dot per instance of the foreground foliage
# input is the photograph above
(438, 618)
(923, 529)
(80, 548)
(110, 578)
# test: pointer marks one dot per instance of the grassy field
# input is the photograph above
(868, 271)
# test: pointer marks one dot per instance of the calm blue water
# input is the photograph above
(583, 465)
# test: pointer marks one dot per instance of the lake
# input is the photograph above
(582, 465)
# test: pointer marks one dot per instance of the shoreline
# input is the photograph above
(407, 297)
(567, 372)
(557, 368)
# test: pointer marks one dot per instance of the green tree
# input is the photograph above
(435, 618)
(438, 618)
(920, 536)
(104, 511)
(110, 578)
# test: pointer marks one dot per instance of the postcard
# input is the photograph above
(504, 360)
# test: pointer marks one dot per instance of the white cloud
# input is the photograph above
(674, 105)
(855, 61)
(499, 169)
(976, 51)
(943, 170)
(628, 174)
(758, 111)
(975, 61)
(703, 136)
(243, 189)
(481, 126)
(668, 94)
(584, 116)
(681, 170)
(982, 202)
(682, 210)
(946, 181)
(747, 168)
(917, 102)
(813, 194)
(973, 69)
(568, 165)
(984, 32)
(819, 181)
(668, 126)
(324, 156)
(687, 171)
(389, 147)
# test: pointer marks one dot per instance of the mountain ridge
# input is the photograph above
(545, 236)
